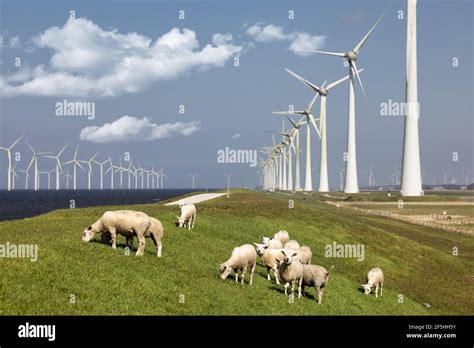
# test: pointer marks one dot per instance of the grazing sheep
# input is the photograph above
(128, 223)
(292, 245)
(273, 244)
(282, 236)
(374, 278)
(291, 271)
(271, 259)
(305, 254)
(317, 276)
(242, 259)
(188, 216)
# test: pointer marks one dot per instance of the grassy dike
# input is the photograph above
(417, 261)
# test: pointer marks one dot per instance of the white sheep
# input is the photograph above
(188, 215)
(291, 271)
(282, 236)
(292, 245)
(305, 254)
(242, 259)
(317, 276)
(271, 259)
(374, 278)
(128, 223)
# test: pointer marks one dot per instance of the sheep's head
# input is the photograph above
(88, 234)
(367, 288)
(260, 248)
(266, 240)
(224, 271)
(289, 256)
(181, 221)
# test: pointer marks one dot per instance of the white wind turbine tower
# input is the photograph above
(14, 175)
(27, 177)
(351, 184)
(296, 140)
(75, 163)
(34, 160)
(141, 173)
(397, 174)
(323, 92)
(289, 135)
(228, 183)
(121, 170)
(411, 176)
(308, 113)
(9, 154)
(193, 176)
(67, 176)
(48, 174)
(371, 176)
(162, 175)
(467, 175)
(341, 178)
(147, 172)
(59, 169)
(89, 170)
(130, 171)
(101, 169)
(445, 174)
(112, 169)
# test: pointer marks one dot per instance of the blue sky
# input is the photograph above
(223, 100)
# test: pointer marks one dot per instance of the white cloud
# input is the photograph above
(299, 40)
(133, 129)
(236, 136)
(87, 60)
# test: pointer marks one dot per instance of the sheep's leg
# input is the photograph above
(236, 276)
(299, 287)
(292, 288)
(320, 295)
(252, 270)
(376, 291)
(276, 276)
(243, 275)
(129, 242)
(190, 220)
(157, 243)
(286, 287)
(194, 219)
(141, 245)
(381, 289)
(113, 235)
(268, 274)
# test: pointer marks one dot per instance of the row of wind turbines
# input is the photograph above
(277, 167)
(130, 176)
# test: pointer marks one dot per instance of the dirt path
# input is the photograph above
(197, 198)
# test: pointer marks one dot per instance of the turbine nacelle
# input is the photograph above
(351, 55)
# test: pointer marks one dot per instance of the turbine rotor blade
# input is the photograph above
(361, 43)
(336, 83)
(302, 79)
(337, 54)
(355, 72)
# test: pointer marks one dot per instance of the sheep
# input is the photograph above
(374, 278)
(273, 243)
(128, 223)
(271, 259)
(292, 245)
(317, 276)
(242, 259)
(291, 271)
(282, 236)
(304, 254)
(188, 216)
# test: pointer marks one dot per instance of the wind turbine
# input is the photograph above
(14, 175)
(75, 163)
(411, 176)
(9, 154)
(323, 92)
(121, 170)
(130, 172)
(193, 176)
(341, 178)
(59, 169)
(67, 176)
(89, 170)
(466, 175)
(351, 184)
(308, 113)
(445, 174)
(27, 177)
(162, 175)
(111, 169)
(371, 176)
(101, 168)
(34, 160)
(228, 183)
(296, 140)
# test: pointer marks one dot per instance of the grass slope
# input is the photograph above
(417, 261)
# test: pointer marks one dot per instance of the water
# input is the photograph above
(20, 204)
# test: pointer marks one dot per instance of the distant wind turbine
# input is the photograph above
(9, 154)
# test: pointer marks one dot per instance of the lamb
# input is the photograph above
(128, 223)
(317, 276)
(374, 278)
(188, 215)
(292, 245)
(271, 259)
(305, 254)
(272, 243)
(291, 271)
(242, 259)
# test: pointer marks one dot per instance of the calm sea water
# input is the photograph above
(20, 204)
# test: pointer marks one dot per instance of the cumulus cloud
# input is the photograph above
(133, 129)
(299, 40)
(12, 42)
(87, 60)
(236, 136)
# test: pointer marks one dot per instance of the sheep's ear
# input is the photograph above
(177, 217)
(256, 244)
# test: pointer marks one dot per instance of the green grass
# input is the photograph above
(417, 262)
